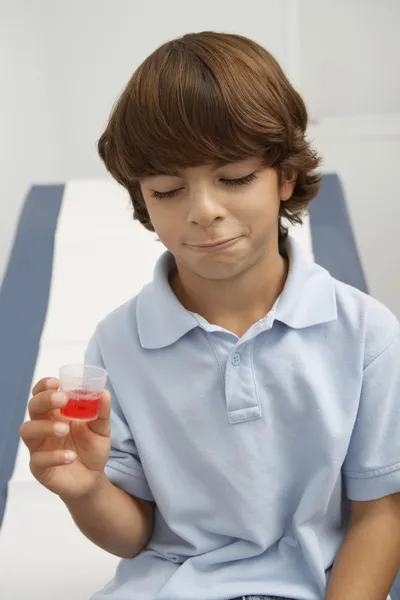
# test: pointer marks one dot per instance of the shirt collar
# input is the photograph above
(308, 298)
(161, 318)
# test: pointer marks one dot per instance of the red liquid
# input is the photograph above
(83, 405)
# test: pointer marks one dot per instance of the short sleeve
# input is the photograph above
(123, 468)
(372, 465)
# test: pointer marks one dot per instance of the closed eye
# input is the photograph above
(227, 182)
(165, 195)
(241, 180)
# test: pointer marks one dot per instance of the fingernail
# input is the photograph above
(69, 456)
(51, 383)
(60, 427)
(59, 399)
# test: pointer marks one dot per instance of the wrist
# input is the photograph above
(89, 495)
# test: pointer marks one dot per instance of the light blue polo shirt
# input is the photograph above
(245, 444)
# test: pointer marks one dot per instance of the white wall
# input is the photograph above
(349, 56)
(28, 120)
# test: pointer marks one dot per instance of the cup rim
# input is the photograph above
(83, 365)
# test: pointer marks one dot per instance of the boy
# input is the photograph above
(248, 389)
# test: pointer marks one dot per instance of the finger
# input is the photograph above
(101, 425)
(34, 432)
(40, 404)
(44, 384)
(42, 460)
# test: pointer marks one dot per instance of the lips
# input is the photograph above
(213, 244)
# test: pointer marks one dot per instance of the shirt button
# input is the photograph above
(175, 558)
(236, 359)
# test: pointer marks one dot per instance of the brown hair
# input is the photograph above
(204, 98)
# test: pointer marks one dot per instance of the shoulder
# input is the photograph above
(120, 324)
(368, 318)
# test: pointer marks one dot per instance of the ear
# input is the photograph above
(287, 186)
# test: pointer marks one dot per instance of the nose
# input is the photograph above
(204, 207)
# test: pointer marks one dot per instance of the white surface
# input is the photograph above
(362, 127)
(302, 233)
(28, 136)
(350, 50)
(43, 555)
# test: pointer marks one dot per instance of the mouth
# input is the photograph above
(214, 245)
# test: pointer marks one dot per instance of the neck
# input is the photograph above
(237, 303)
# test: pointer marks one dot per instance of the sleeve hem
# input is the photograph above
(372, 473)
(373, 488)
(132, 483)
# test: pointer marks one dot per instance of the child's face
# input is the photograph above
(203, 206)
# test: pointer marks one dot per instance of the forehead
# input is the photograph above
(218, 163)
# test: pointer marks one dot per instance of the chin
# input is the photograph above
(216, 265)
(219, 272)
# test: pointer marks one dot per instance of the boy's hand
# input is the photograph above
(67, 457)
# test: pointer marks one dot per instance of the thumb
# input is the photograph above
(101, 425)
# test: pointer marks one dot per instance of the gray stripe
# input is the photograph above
(332, 237)
(24, 298)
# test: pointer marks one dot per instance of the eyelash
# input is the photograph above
(227, 182)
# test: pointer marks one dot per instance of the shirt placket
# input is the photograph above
(242, 400)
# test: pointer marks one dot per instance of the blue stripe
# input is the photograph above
(24, 297)
(332, 237)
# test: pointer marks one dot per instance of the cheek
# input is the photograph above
(155, 213)
(259, 208)
(165, 224)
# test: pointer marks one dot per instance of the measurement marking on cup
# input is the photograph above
(84, 386)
